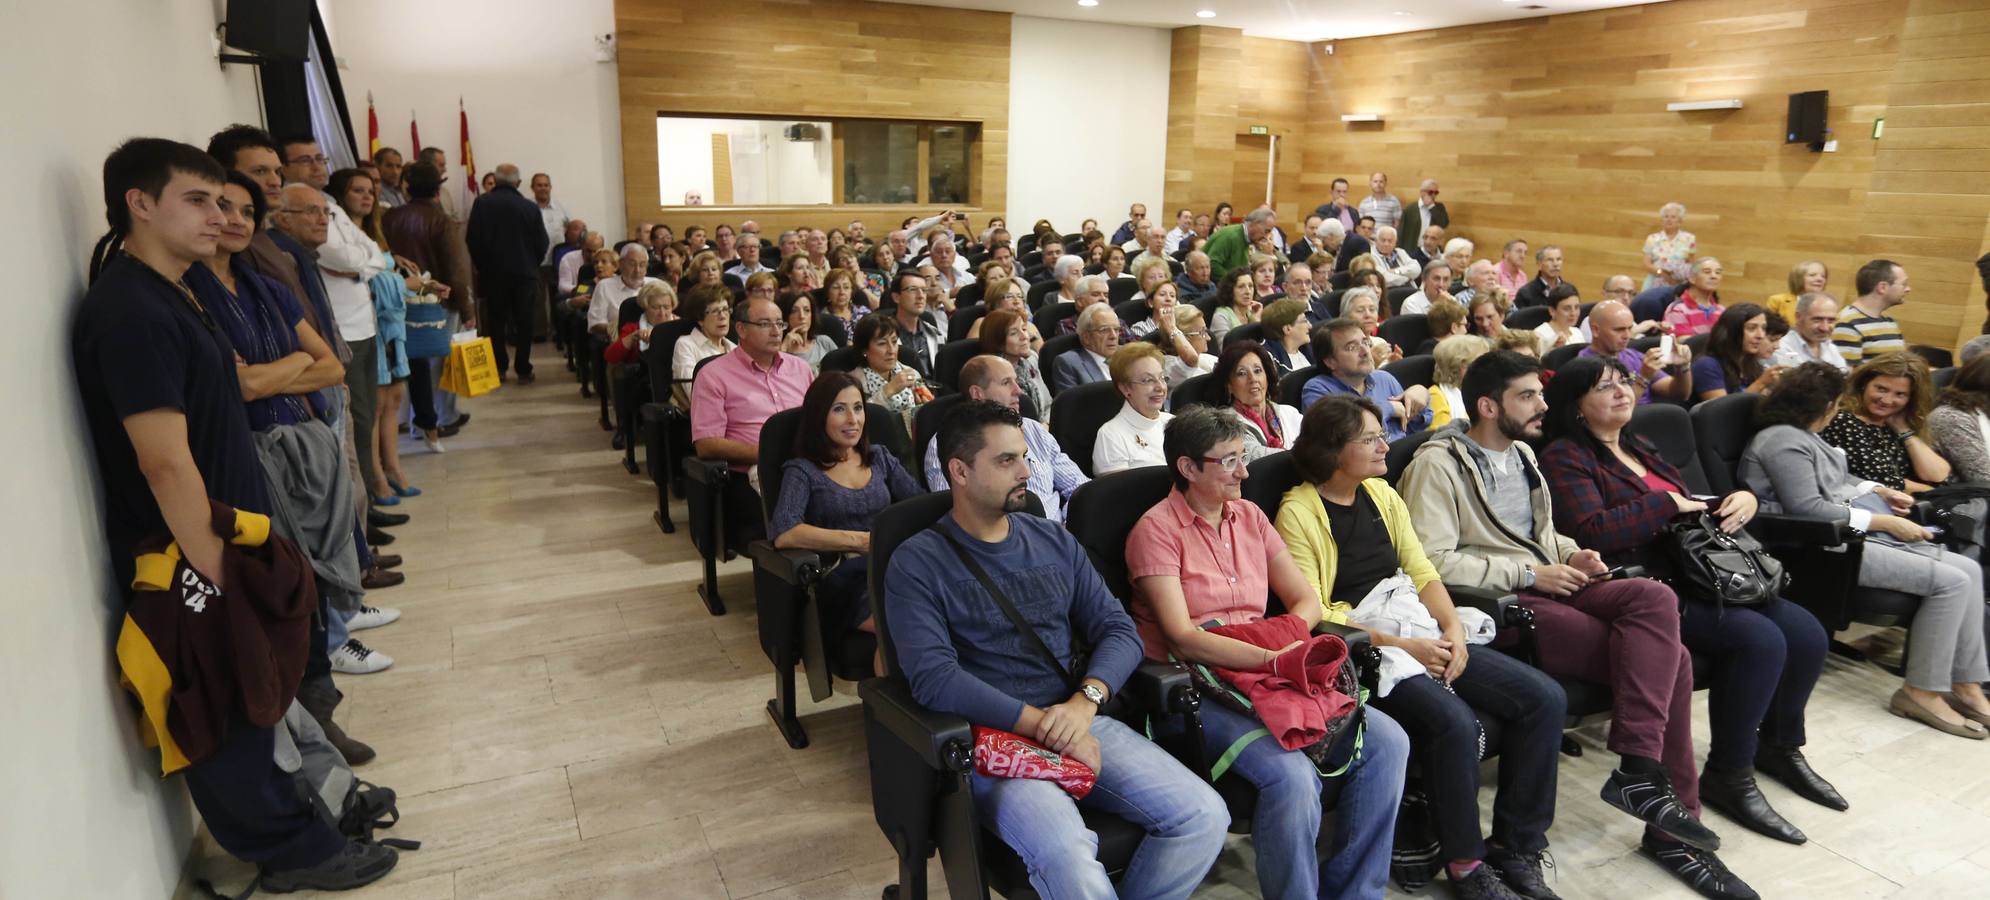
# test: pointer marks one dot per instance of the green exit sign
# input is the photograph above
(1260, 129)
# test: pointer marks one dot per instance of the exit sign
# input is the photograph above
(1260, 129)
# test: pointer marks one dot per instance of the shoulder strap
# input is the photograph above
(1008, 608)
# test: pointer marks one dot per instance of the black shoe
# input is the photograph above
(448, 431)
(319, 699)
(379, 519)
(586, 393)
(1522, 872)
(1700, 869)
(378, 538)
(1738, 797)
(1650, 797)
(1787, 765)
(527, 378)
(387, 560)
(607, 425)
(462, 419)
(618, 441)
(355, 751)
(1482, 884)
(355, 865)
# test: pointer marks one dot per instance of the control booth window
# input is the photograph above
(708, 161)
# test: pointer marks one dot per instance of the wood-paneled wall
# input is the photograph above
(802, 58)
(1555, 130)
(1220, 85)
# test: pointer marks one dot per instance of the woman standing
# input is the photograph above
(354, 191)
(1668, 247)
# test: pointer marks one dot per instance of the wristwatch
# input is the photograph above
(1094, 693)
(1527, 577)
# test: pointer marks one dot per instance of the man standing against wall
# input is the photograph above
(1380, 204)
(507, 239)
(555, 218)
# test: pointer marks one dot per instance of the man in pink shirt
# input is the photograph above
(735, 394)
(1512, 268)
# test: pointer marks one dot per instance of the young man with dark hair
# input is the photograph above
(1483, 511)
(1054, 477)
(171, 437)
(252, 152)
(1347, 366)
(1866, 327)
(964, 660)
(303, 161)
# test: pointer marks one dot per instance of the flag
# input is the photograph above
(469, 162)
(372, 128)
(414, 137)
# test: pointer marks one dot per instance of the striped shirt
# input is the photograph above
(1860, 336)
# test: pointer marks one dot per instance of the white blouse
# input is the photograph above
(1129, 440)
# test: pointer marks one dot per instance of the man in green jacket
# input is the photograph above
(1229, 248)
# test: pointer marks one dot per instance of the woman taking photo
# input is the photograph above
(1445, 688)
(1879, 423)
(1793, 470)
(1250, 380)
(1006, 333)
(837, 482)
(892, 384)
(842, 307)
(1288, 336)
(1614, 494)
(1236, 304)
(1735, 351)
(1959, 427)
(1133, 438)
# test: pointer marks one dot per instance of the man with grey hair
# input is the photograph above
(1125, 234)
(605, 306)
(1195, 282)
(901, 246)
(1155, 242)
(1809, 339)
(507, 238)
(1329, 236)
(1381, 205)
(1053, 476)
(1430, 247)
(1098, 337)
(1229, 248)
(1088, 291)
(1478, 278)
(1392, 261)
(1426, 211)
(1548, 274)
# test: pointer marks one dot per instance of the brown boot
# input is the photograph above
(319, 701)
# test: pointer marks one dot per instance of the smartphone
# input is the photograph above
(1665, 350)
(1704, 498)
(1935, 530)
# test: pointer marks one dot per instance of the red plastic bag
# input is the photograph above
(1003, 754)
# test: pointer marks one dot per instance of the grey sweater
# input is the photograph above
(1953, 432)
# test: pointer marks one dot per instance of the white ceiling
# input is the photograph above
(1295, 20)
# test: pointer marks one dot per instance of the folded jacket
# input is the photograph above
(1295, 697)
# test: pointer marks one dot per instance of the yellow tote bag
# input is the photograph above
(474, 367)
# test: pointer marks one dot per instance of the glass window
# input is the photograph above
(880, 162)
(947, 163)
(743, 162)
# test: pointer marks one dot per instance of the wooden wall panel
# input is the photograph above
(1203, 92)
(1555, 129)
(802, 58)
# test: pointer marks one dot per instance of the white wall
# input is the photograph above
(766, 166)
(1080, 91)
(527, 76)
(87, 815)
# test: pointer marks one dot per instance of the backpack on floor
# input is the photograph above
(1413, 862)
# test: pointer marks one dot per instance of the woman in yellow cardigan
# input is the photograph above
(1341, 453)
(1453, 355)
(1807, 277)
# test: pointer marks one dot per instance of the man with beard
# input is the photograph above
(1482, 508)
(960, 659)
(1347, 367)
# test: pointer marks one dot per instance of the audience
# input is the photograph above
(1616, 496)
(1393, 262)
(1133, 438)
(1866, 327)
(1793, 470)
(1189, 356)
(1548, 276)
(1434, 284)
(419, 232)
(711, 308)
(1697, 303)
(1288, 337)
(1958, 425)
(1362, 305)
(1814, 319)
(736, 392)
(1181, 582)
(1668, 250)
(1008, 334)
(1737, 348)
(1380, 205)
(1053, 477)
(1670, 377)
(1509, 274)
(1236, 303)
(1564, 326)
(1485, 517)
(1195, 282)
(1879, 423)
(920, 329)
(659, 305)
(841, 309)
(1453, 355)
(1425, 214)
(1807, 277)
(893, 384)
(802, 337)
(1229, 247)
(1347, 366)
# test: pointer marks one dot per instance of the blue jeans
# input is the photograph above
(1184, 818)
(1286, 826)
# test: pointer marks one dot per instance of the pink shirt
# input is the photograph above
(734, 396)
(1511, 278)
(1688, 317)
(1224, 571)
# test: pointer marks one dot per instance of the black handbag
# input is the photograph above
(1725, 569)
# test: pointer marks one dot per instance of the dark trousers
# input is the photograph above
(1443, 726)
(421, 392)
(253, 808)
(1765, 663)
(508, 304)
(362, 381)
(549, 291)
(1625, 634)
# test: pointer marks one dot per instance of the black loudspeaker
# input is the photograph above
(1806, 119)
(278, 30)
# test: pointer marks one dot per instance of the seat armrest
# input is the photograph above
(1493, 603)
(653, 412)
(943, 741)
(1161, 687)
(1784, 529)
(1355, 638)
(705, 471)
(800, 568)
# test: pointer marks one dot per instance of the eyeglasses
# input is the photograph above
(1195, 334)
(1634, 384)
(1230, 463)
(1148, 381)
(1376, 439)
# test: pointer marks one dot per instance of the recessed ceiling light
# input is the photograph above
(1205, 14)
(1088, 2)
(1402, 13)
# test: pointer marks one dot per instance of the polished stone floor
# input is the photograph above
(564, 720)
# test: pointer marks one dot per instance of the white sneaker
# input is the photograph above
(354, 658)
(371, 617)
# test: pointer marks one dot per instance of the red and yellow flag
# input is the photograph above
(469, 162)
(372, 128)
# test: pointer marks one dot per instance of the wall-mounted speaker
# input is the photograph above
(1806, 119)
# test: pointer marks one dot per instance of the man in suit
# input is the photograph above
(1338, 207)
(1426, 211)
(1430, 246)
(1098, 337)
(1136, 215)
(1307, 244)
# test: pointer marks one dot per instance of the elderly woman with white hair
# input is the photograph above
(1458, 255)
(1398, 268)
(1668, 248)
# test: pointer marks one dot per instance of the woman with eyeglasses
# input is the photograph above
(1133, 438)
(1011, 294)
(1249, 377)
(1432, 683)
(1615, 494)
(711, 307)
(888, 382)
(841, 305)
(1189, 355)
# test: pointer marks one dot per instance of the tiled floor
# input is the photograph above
(565, 720)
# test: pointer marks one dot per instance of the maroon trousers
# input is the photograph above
(1625, 634)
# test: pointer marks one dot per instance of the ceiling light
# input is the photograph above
(1362, 117)
(1205, 14)
(1401, 13)
(1088, 2)
(1698, 105)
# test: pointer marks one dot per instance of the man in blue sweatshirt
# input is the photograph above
(963, 655)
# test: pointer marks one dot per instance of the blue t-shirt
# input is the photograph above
(1710, 375)
(1381, 387)
(963, 655)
